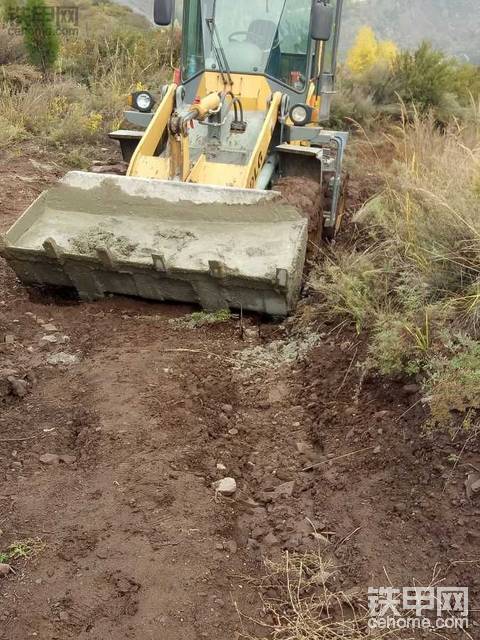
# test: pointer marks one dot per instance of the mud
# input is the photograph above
(133, 543)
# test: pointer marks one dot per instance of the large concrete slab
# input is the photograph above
(216, 246)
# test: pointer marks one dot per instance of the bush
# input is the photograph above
(421, 81)
(417, 283)
(12, 49)
(40, 36)
(454, 382)
(423, 77)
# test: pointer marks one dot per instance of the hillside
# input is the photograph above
(452, 26)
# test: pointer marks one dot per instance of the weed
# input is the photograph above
(353, 285)
(201, 319)
(416, 287)
(453, 382)
(22, 550)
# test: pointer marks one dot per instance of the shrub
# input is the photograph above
(421, 81)
(41, 39)
(423, 77)
(453, 383)
(352, 285)
(12, 49)
(15, 77)
(10, 11)
(417, 282)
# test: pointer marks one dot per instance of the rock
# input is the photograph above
(285, 489)
(49, 458)
(227, 408)
(377, 450)
(304, 448)
(103, 555)
(233, 432)
(223, 420)
(9, 339)
(225, 486)
(50, 328)
(252, 545)
(221, 467)
(64, 617)
(66, 459)
(49, 339)
(18, 387)
(118, 169)
(62, 358)
(282, 474)
(400, 507)
(5, 569)
(270, 540)
(231, 546)
(411, 389)
(472, 484)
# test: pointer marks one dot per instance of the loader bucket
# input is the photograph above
(219, 247)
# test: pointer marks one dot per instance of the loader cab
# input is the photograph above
(272, 38)
(267, 37)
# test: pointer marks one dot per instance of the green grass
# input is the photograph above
(22, 550)
(202, 319)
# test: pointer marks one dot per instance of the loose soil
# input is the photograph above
(134, 541)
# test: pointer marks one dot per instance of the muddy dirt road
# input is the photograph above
(130, 539)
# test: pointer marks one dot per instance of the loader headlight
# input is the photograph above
(300, 114)
(142, 101)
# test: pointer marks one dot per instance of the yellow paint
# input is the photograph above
(179, 157)
(259, 154)
(211, 102)
(152, 167)
(254, 91)
(255, 95)
(143, 163)
(216, 173)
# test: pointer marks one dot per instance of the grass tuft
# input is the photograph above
(413, 279)
(305, 602)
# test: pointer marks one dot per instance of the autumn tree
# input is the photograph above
(368, 51)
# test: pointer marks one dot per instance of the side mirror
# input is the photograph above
(163, 12)
(323, 16)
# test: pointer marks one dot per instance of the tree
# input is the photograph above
(40, 35)
(10, 11)
(424, 76)
(368, 52)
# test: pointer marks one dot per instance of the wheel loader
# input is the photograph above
(232, 180)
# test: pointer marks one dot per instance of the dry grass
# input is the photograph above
(412, 279)
(308, 603)
(76, 106)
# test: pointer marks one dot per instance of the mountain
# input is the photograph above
(450, 25)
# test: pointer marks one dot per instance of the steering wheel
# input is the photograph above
(233, 37)
(254, 38)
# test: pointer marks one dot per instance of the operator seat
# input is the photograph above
(264, 34)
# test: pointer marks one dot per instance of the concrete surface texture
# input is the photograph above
(224, 236)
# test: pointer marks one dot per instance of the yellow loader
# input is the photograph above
(231, 182)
